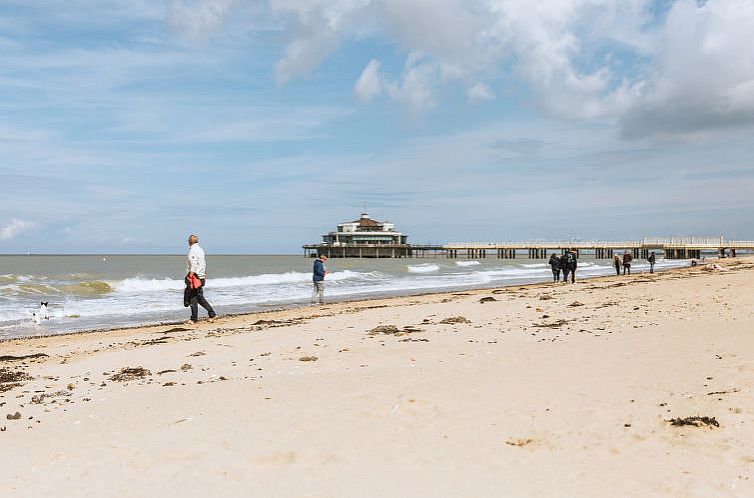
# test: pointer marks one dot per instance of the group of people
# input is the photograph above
(196, 274)
(567, 264)
(625, 262)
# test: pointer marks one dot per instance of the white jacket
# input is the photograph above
(195, 261)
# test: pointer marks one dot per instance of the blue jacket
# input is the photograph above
(319, 271)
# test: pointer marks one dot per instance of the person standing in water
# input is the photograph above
(318, 278)
(196, 268)
(555, 265)
(651, 260)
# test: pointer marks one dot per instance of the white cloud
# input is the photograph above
(703, 78)
(472, 40)
(480, 92)
(318, 27)
(368, 86)
(12, 229)
(416, 90)
(197, 19)
(581, 59)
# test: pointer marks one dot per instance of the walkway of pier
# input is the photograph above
(669, 247)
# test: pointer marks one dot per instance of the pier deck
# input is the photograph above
(670, 247)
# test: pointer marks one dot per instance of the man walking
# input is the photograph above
(196, 267)
(651, 260)
(318, 278)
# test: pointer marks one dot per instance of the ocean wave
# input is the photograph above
(141, 299)
(425, 268)
(467, 263)
(139, 284)
(88, 288)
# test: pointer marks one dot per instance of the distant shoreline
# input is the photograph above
(347, 300)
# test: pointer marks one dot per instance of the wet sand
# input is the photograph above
(540, 390)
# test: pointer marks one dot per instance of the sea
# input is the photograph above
(88, 292)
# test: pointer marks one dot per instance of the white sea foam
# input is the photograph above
(138, 284)
(425, 268)
(142, 299)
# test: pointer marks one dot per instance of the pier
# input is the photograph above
(669, 247)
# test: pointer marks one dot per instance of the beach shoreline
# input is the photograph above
(531, 390)
(341, 300)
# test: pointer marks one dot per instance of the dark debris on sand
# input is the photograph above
(455, 319)
(393, 330)
(130, 373)
(10, 379)
(40, 398)
(487, 299)
(384, 329)
(174, 329)
(696, 421)
(276, 323)
(25, 357)
(554, 325)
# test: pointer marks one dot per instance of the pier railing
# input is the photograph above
(671, 247)
(539, 244)
(645, 243)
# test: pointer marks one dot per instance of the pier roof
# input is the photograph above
(365, 221)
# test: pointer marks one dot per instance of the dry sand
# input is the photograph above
(549, 390)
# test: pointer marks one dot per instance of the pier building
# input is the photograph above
(368, 238)
(363, 238)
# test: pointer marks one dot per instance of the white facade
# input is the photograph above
(364, 231)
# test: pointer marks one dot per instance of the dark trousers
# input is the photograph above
(196, 298)
(565, 274)
(555, 274)
(651, 267)
(573, 275)
(627, 268)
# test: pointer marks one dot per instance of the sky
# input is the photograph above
(125, 125)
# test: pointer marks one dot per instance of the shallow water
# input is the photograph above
(89, 292)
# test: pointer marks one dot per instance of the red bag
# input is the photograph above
(194, 281)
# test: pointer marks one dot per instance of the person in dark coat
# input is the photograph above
(569, 260)
(651, 260)
(555, 265)
(627, 258)
(564, 267)
(617, 264)
(318, 278)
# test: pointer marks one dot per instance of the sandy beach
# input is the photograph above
(534, 391)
